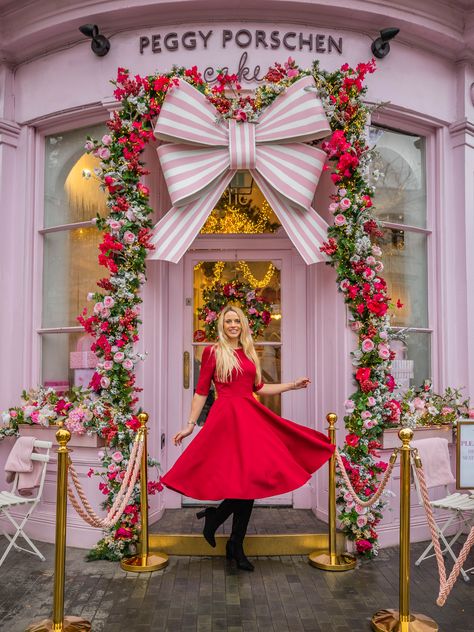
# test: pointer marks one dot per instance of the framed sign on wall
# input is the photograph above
(465, 454)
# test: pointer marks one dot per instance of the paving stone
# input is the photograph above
(193, 594)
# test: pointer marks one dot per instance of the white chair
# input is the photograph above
(11, 500)
(460, 508)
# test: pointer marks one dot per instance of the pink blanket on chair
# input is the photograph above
(434, 454)
(19, 462)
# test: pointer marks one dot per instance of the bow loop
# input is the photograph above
(297, 115)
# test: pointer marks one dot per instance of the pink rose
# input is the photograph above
(344, 284)
(379, 266)
(345, 203)
(383, 335)
(361, 521)
(292, 72)
(333, 207)
(349, 405)
(103, 153)
(106, 139)
(211, 316)
(368, 274)
(419, 403)
(108, 365)
(117, 456)
(127, 364)
(384, 351)
(105, 312)
(356, 325)
(360, 510)
(370, 261)
(470, 413)
(369, 423)
(108, 301)
(89, 146)
(104, 382)
(13, 414)
(340, 220)
(446, 410)
(35, 417)
(365, 414)
(98, 307)
(119, 356)
(367, 345)
(371, 401)
(114, 225)
(112, 468)
(90, 296)
(130, 215)
(342, 192)
(376, 251)
(128, 237)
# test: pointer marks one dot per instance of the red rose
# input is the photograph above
(123, 534)
(352, 440)
(362, 374)
(363, 546)
(390, 382)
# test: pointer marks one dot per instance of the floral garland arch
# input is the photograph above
(115, 316)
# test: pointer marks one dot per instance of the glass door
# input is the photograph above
(208, 274)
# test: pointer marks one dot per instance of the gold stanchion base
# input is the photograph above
(389, 621)
(145, 563)
(340, 562)
(70, 624)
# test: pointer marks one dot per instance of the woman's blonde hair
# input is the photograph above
(226, 359)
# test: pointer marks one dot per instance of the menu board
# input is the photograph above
(465, 454)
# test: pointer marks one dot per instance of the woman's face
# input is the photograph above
(232, 326)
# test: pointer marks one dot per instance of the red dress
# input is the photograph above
(244, 450)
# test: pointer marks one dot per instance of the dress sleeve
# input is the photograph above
(208, 366)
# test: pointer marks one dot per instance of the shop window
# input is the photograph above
(242, 209)
(72, 198)
(399, 176)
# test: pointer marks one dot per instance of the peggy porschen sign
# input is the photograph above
(242, 39)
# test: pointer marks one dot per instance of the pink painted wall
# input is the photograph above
(50, 81)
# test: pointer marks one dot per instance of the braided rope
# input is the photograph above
(380, 489)
(445, 585)
(121, 500)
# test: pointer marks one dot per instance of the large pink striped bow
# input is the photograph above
(204, 155)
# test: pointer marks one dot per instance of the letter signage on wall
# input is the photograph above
(465, 454)
(244, 42)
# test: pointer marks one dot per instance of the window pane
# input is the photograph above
(208, 273)
(70, 271)
(61, 370)
(413, 362)
(69, 196)
(405, 270)
(400, 189)
(242, 209)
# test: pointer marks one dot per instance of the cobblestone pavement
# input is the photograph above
(199, 594)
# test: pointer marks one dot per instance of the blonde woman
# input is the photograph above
(244, 451)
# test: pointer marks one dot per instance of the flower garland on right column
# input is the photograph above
(356, 259)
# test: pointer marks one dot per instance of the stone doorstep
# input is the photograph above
(255, 545)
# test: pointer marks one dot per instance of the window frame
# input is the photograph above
(58, 123)
(393, 120)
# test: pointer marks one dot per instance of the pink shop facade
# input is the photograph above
(54, 92)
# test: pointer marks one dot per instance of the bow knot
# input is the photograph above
(204, 155)
(242, 146)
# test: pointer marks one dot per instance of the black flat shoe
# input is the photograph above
(235, 551)
(210, 527)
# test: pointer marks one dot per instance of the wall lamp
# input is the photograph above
(100, 44)
(381, 47)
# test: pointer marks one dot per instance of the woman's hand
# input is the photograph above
(179, 436)
(301, 382)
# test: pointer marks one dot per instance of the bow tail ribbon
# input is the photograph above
(306, 229)
(176, 231)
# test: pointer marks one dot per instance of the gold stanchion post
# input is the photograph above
(145, 562)
(330, 560)
(60, 623)
(401, 620)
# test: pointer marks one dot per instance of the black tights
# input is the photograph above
(241, 510)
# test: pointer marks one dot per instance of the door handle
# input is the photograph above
(186, 365)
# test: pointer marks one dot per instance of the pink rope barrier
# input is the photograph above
(445, 584)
